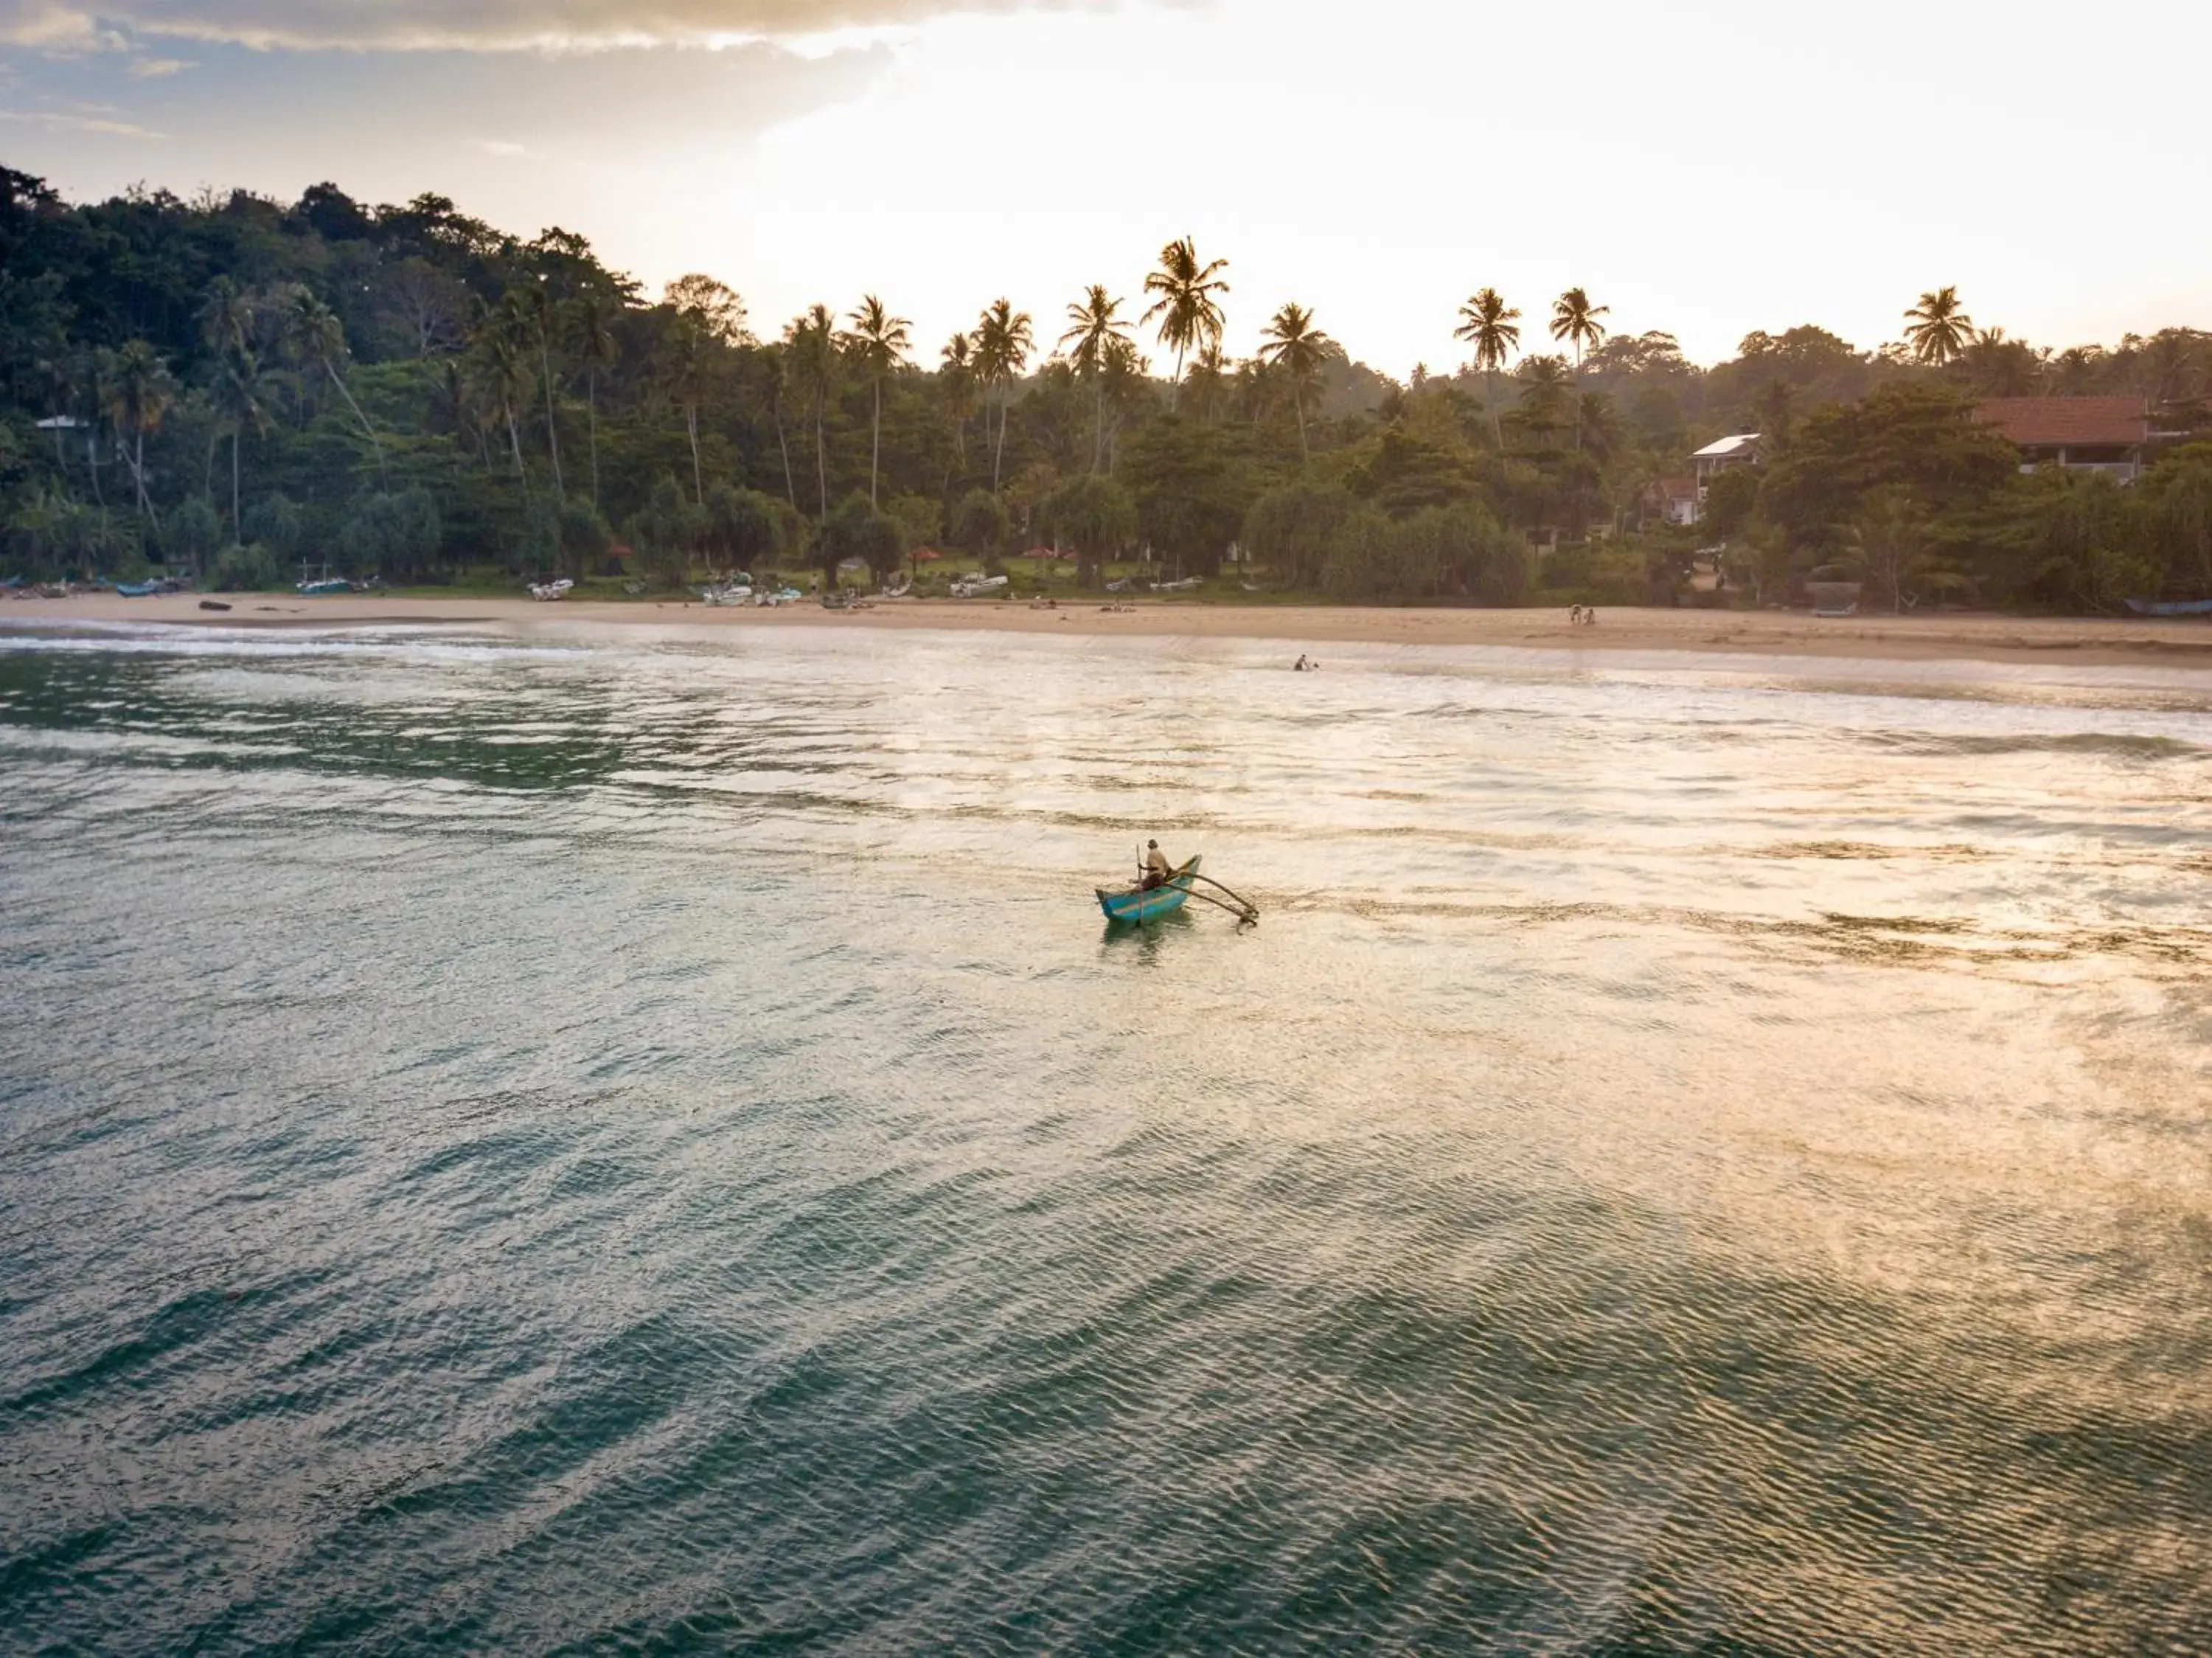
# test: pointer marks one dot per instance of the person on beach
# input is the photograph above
(1298, 666)
(1157, 866)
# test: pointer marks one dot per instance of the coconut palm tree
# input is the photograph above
(315, 338)
(139, 390)
(1209, 374)
(1123, 380)
(1003, 339)
(878, 343)
(774, 360)
(1937, 329)
(811, 338)
(1491, 325)
(1543, 386)
(235, 393)
(1575, 322)
(501, 374)
(589, 327)
(1095, 330)
(531, 310)
(1298, 350)
(956, 388)
(226, 317)
(685, 371)
(1188, 309)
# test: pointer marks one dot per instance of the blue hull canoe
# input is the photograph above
(1131, 904)
(2177, 608)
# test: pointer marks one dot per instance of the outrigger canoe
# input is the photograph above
(1134, 904)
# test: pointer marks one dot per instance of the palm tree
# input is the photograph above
(1003, 339)
(236, 395)
(90, 382)
(956, 388)
(775, 360)
(313, 335)
(1095, 330)
(592, 340)
(1575, 321)
(503, 377)
(1209, 372)
(813, 339)
(685, 373)
(138, 393)
(1936, 329)
(1490, 325)
(1544, 382)
(1123, 380)
(1298, 350)
(879, 344)
(531, 310)
(226, 319)
(1188, 310)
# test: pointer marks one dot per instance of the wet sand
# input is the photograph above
(2088, 641)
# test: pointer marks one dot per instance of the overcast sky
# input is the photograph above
(1702, 168)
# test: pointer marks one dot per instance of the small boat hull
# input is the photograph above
(1132, 903)
(2174, 608)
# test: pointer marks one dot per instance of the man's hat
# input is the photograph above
(1154, 844)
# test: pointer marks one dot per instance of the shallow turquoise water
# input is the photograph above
(642, 1143)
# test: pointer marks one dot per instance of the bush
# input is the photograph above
(191, 534)
(857, 530)
(245, 569)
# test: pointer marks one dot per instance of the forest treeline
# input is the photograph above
(231, 386)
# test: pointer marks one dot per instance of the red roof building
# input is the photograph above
(2082, 434)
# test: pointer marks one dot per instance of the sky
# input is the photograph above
(1706, 169)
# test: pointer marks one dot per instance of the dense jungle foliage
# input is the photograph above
(236, 388)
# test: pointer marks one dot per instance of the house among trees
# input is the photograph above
(1674, 500)
(2076, 434)
(1740, 450)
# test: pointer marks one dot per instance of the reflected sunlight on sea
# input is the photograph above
(642, 1140)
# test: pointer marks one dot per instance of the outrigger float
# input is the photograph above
(1135, 906)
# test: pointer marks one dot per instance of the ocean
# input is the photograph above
(640, 1140)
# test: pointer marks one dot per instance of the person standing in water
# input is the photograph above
(1157, 866)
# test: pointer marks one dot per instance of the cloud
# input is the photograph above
(156, 69)
(474, 25)
(503, 147)
(57, 121)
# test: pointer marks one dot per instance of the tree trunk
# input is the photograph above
(1098, 428)
(1299, 402)
(552, 434)
(999, 450)
(591, 412)
(237, 522)
(514, 443)
(821, 466)
(783, 447)
(138, 471)
(1497, 428)
(374, 442)
(876, 444)
(698, 481)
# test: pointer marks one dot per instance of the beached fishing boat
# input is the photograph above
(2171, 607)
(327, 585)
(138, 589)
(552, 592)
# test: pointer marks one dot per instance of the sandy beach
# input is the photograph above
(2091, 641)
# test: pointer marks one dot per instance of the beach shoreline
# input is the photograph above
(2088, 641)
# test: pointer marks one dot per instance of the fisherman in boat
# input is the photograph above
(1157, 866)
